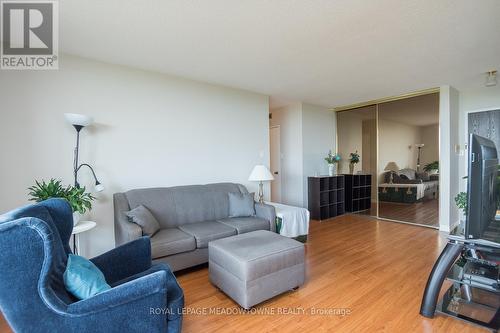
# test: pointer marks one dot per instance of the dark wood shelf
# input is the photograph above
(326, 196)
(358, 192)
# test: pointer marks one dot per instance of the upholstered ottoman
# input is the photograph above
(256, 266)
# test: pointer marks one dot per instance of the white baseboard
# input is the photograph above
(448, 228)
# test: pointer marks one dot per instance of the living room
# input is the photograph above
(174, 108)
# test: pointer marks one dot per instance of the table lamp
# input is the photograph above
(393, 167)
(260, 174)
(79, 121)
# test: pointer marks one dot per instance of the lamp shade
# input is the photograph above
(260, 173)
(391, 166)
(76, 119)
(99, 187)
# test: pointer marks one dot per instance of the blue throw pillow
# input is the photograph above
(82, 278)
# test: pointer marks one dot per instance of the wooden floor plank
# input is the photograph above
(425, 212)
(375, 269)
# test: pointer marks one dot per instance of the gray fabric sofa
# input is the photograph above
(190, 217)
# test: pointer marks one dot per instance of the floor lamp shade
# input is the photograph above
(76, 119)
(80, 121)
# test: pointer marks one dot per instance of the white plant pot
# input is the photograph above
(76, 218)
(331, 169)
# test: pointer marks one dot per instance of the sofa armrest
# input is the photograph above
(126, 260)
(125, 231)
(267, 212)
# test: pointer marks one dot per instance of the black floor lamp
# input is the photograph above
(79, 121)
(419, 146)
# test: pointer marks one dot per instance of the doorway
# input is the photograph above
(275, 152)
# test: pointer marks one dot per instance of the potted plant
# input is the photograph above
(461, 202)
(332, 159)
(79, 200)
(432, 168)
(461, 198)
(353, 160)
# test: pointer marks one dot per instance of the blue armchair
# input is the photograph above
(34, 247)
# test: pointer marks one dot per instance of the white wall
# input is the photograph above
(307, 133)
(430, 138)
(289, 119)
(350, 138)
(397, 144)
(449, 179)
(480, 99)
(151, 130)
(318, 135)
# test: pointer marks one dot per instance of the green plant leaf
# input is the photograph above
(79, 200)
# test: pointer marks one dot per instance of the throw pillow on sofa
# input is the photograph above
(410, 173)
(141, 216)
(241, 205)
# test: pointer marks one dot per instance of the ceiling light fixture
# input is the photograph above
(491, 79)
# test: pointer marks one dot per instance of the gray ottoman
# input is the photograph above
(256, 266)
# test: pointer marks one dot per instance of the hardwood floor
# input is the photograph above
(376, 270)
(425, 213)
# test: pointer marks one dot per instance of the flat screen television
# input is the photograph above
(482, 191)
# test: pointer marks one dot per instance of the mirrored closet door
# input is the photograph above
(397, 175)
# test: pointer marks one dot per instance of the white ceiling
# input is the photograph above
(326, 52)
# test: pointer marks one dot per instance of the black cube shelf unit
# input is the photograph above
(326, 196)
(358, 192)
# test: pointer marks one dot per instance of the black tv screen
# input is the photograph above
(482, 190)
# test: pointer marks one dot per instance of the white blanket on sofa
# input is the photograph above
(294, 220)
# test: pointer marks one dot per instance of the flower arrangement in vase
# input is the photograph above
(353, 160)
(332, 159)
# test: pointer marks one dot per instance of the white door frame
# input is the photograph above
(274, 197)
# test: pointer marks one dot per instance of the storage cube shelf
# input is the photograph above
(326, 196)
(358, 192)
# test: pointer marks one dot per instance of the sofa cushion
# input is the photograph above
(246, 224)
(207, 231)
(241, 205)
(171, 241)
(141, 216)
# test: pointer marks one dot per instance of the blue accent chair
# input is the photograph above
(34, 247)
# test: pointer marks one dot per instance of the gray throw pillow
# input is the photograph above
(241, 205)
(141, 216)
(410, 173)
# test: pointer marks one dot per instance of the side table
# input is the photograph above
(80, 227)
